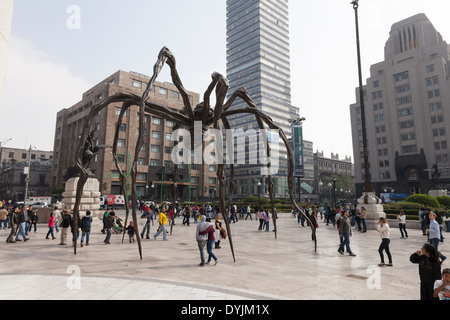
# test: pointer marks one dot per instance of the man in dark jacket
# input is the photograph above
(345, 232)
(14, 223)
(109, 223)
(65, 224)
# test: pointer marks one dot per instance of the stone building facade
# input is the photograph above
(407, 98)
(155, 168)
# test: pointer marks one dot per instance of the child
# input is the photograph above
(51, 225)
(442, 287)
(130, 231)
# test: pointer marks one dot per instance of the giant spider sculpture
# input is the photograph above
(210, 118)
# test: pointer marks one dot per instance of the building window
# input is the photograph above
(168, 164)
(154, 163)
(405, 112)
(163, 91)
(155, 148)
(175, 94)
(156, 120)
(121, 158)
(141, 176)
(137, 83)
(118, 110)
(121, 143)
(401, 76)
(156, 134)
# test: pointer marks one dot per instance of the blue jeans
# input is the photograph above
(50, 232)
(435, 243)
(85, 234)
(345, 242)
(4, 222)
(201, 246)
(163, 230)
(267, 225)
(363, 220)
(209, 248)
(22, 227)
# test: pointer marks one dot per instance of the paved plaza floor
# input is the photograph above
(286, 268)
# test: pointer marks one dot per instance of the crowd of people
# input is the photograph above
(22, 220)
(435, 284)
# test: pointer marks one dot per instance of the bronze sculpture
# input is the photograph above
(210, 118)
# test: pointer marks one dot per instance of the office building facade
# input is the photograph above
(407, 103)
(258, 58)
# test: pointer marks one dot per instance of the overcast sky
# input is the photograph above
(54, 57)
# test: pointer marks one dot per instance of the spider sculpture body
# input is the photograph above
(189, 117)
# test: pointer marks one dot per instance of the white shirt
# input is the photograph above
(445, 293)
(383, 230)
(401, 218)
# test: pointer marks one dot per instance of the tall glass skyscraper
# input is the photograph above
(258, 58)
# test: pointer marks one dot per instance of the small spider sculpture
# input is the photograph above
(210, 118)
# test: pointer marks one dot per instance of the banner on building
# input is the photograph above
(297, 149)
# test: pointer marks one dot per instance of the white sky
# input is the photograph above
(51, 65)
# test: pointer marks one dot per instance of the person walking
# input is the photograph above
(201, 239)
(434, 233)
(162, 225)
(266, 219)
(187, 215)
(109, 223)
(362, 216)
(429, 269)
(3, 218)
(23, 218)
(131, 231)
(345, 232)
(261, 218)
(148, 218)
(401, 218)
(218, 232)
(14, 222)
(86, 223)
(33, 218)
(211, 239)
(249, 212)
(382, 227)
(423, 224)
(65, 224)
(51, 225)
(57, 218)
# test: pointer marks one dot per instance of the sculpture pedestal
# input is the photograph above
(90, 199)
(437, 192)
(374, 208)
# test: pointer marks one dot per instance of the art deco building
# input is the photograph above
(258, 58)
(155, 167)
(407, 104)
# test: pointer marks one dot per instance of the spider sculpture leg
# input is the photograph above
(267, 120)
(243, 94)
(221, 91)
(123, 179)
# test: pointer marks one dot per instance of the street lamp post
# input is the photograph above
(259, 194)
(367, 183)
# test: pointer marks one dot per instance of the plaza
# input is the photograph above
(286, 268)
